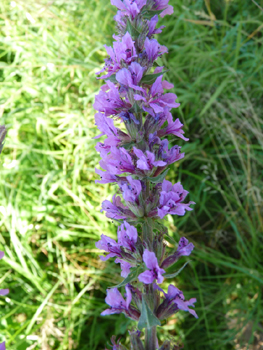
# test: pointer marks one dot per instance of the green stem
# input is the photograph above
(150, 338)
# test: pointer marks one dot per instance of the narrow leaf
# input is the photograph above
(136, 108)
(158, 178)
(131, 277)
(112, 78)
(132, 30)
(150, 14)
(147, 319)
(150, 78)
(172, 275)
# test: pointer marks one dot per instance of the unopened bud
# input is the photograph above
(136, 342)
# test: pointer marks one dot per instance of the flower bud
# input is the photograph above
(136, 342)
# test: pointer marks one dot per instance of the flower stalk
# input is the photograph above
(136, 156)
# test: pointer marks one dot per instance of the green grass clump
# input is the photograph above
(50, 207)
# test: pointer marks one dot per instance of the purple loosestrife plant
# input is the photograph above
(136, 156)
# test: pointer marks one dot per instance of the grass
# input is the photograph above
(49, 209)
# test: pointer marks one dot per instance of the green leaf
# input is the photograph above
(131, 277)
(150, 14)
(147, 319)
(150, 78)
(136, 108)
(112, 78)
(172, 275)
(132, 30)
(158, 178)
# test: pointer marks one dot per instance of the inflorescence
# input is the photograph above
(136, 156)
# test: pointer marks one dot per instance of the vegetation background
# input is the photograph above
(50, 206)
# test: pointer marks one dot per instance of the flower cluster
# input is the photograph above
(136, 157)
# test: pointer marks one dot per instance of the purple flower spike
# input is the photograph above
(2, 346)
(135, 156)
(154, 272)
(171, 198)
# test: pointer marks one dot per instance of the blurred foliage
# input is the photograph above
(50, 207)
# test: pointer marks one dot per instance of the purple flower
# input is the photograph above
(109, 100)
(131, 76)
(2, 293)
(2, 346)
(131, 190)
(109, 245)
(127, 236)
(118, 161)
(116, 301)
(117, 304)
(153, 49)
(116, 210)
(152, 26)
(171, 198)
(123, 52)
(129, 7)
(125, 267)
(154, 272)
(163, 5)
(105, 125)
(172, 155)
(105, 177)
(174, 127)
(174, 302)
(155, 101)
(184, 249)
(147, 162)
